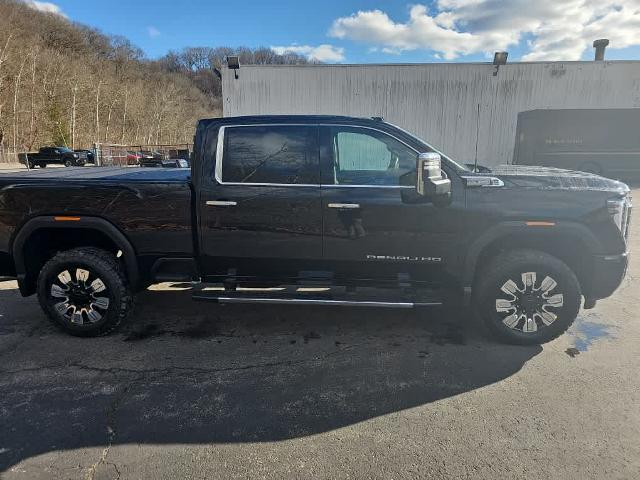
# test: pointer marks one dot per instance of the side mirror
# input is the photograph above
(431, 182)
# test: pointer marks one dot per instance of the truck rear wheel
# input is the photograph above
(527, 297)
(85, 292)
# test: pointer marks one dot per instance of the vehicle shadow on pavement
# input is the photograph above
(184, 372)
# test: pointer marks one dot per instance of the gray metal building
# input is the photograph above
(456, 107)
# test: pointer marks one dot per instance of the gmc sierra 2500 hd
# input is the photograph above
(356, 205)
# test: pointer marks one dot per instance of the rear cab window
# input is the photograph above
(269, 154)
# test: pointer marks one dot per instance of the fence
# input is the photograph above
(132, 155)
(103, 154)
(8, 157)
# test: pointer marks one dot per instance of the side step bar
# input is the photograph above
(241, 296)
(311, 301)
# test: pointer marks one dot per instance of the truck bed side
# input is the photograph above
(151, 208)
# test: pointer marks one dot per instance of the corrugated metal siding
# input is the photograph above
(438, 102)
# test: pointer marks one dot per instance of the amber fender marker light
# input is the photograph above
(66, 219)
(540, 224)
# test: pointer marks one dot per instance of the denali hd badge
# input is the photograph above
(403, 258)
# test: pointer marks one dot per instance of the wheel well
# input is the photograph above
(567, 248)
(44, 243)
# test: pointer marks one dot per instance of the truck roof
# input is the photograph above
(315, 119)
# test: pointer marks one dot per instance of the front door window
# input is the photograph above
(367, 157)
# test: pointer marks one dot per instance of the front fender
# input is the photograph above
(555, 231)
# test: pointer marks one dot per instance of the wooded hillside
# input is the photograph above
(64, 83)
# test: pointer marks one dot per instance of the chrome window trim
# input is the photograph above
(220, 153)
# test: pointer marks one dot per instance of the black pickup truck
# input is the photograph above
(55, 155)
(318, 210)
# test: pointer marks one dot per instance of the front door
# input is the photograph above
(260, 208)
(375, 224)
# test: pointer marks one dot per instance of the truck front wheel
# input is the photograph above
(527, 297)
(84, 292)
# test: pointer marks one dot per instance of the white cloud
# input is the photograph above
(321, 53)
(558, 30)
(47, 7)
(153, 31)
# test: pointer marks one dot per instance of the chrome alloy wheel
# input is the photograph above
(78, 297)
(530, 304)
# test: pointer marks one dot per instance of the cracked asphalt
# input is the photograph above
(195, 390)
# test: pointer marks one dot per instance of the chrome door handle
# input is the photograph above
(221, 203)
(350, 206)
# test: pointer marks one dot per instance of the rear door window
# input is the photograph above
(271, 154)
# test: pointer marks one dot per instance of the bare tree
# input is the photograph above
(124, 114)
(32, 110)
(16, 94)
(74, 95)
(96, 133)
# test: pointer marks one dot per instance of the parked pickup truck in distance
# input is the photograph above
(346, 205)
(55, 155)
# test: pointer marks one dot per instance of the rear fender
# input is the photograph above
(92, 223)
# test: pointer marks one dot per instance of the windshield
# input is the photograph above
(430, 147)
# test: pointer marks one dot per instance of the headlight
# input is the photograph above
(75, 155)
(183, 164)
(620, 209)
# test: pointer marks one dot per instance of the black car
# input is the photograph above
(359, 206)
(54, 155)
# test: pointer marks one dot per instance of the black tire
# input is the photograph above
(498, 309)
(68, 163)
(42, 165)
(100, 265)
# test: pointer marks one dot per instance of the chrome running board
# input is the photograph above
(283, 296)
(309, 301)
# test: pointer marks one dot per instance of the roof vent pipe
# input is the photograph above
(600, 46)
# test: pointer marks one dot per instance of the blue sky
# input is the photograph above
(364, 31)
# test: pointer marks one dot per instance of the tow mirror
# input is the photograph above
(431, 181)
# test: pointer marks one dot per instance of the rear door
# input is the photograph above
(260, 207)
(375, 224)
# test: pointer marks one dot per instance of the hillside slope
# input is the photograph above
(67, 84)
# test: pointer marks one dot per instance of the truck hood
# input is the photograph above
(554, 178)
